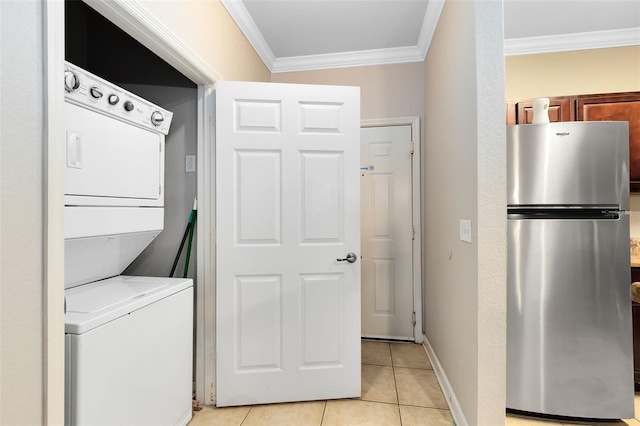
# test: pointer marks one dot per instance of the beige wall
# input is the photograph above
(464, 157)
(573, 73)
(208, 29)
(465, 314)
(21, 215)
(385, 91)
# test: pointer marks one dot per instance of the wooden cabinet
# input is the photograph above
(559, 110)
(616, 107)
(511, 114)
(597, 107)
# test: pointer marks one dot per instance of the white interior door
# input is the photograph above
(287, 208)
(387, 232)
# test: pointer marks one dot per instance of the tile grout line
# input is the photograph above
(324, 410)
(395, 383)
(246, 415)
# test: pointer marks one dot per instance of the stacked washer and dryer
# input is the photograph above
(129, 340)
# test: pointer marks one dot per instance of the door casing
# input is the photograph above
(417, 209)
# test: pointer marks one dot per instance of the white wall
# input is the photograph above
(21, 213)
(465, 178)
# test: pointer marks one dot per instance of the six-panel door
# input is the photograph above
(287, 209)
(387, 232)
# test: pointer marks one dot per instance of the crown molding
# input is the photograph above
(248, 26)
(360, 58)
(568, 42)
(431, 17)
(135, 20)
(512, 47)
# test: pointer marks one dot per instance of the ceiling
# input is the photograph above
(297, 35)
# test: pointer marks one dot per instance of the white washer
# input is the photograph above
(129, 358)
(129, 340)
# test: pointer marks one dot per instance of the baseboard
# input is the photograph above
(449, 394)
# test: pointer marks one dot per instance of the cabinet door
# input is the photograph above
(559, 110)
(616, 107)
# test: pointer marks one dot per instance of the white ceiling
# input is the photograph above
(296, 35)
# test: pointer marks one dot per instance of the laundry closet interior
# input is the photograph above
(95, 44)
(131, 120)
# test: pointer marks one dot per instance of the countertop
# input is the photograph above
(635, 252)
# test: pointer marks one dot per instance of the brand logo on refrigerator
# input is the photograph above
(562, 134)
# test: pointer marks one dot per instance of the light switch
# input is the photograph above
(465, 231)
(190, 163)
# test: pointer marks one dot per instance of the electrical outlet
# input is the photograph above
(465, 230)
(190, 163)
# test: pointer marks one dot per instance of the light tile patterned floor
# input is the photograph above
(398, 388)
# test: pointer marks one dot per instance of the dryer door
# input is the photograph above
(111, 162)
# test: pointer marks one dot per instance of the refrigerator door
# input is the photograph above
(569, 163)
(569, 329)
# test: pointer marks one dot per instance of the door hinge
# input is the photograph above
(411, 147)
(159, 190)
(413, 318)
(413, 233)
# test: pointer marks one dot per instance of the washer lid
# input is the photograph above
(93, 304)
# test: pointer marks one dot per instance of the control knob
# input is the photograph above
(113, 99)
(128, 106)
(157, 118)
(71, 81)
(96, 92)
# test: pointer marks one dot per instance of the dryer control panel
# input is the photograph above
(90, 91)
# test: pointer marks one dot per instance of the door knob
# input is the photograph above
(351, 258)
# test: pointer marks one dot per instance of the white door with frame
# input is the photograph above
(387, 232)
(287, 211)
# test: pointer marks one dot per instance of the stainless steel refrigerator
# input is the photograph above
(569, 327)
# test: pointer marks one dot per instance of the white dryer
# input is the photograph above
(129, 340)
